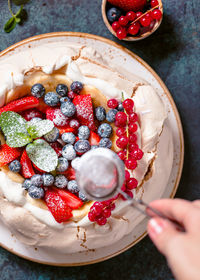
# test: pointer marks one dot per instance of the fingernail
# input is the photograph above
(155, 226)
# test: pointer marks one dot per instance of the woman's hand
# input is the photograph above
(182, 249)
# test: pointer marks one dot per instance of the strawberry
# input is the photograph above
(21, 104)
(57, 206)
(129, 5)
(64, 129)
(57, 148)
(27, 168)
(94, 138)
(31, 113)
(84, 110)
(38, 169)
(70, 174)
(71, 199)
(55, 115)
(8, 154)
(42, 107)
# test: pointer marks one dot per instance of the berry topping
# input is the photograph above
(156, 14)
(100, 113)
(71, 94)
(94, 139)
(26, 166)
(132, 127)
(68, 109)
(132, 138)
(57, 148)
(121, 131)
(69, 152)
(133, 146)
(32, 114)
(105, 130)
(15, 166)
(56, 116)
(112, 103)
(110, 116)
(72, 200)
(101, 221)
(121, 119)
(127, 175)
(154, 3)
(120, 107)
(65, 99)
(122, 142)
(82, 146)
(128, 105)
(134, 28)
(145, 20)
(138, 14)
(121, 33)
(122, 155)
(133, 117)
(68, 138)
(131, 183)
(82, 197)
(62, 164)
(130, 15)
(74, 124)
(130, 164)
(76, 87)
(48, 180)
(123, 20)
(37, 180)
(84, 110)
(73, 186)
(83, 132)
(35, 192)
(52, 136)
(61, 181)
(26, 184)
(115, 26)
(57, 206)
(38, 90)
(62, 89)
(137, 154)
(51, 99)
(105, 143)
(113, 14)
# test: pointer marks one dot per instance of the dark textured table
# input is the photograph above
(173, 53)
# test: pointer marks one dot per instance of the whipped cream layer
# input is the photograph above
(36, 226)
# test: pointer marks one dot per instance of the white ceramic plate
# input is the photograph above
(132, 63)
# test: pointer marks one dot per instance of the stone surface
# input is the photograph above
(173, 53)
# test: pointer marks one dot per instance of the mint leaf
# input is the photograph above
(42, 155)
(10, 25)
(20, 2)
(40, 128)
(18, 139)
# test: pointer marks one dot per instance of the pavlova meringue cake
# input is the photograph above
(58, 101)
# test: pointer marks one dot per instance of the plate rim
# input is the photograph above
(166, 92)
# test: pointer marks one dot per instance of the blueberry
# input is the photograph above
(73, 186)
(36, 192)
(110, 116)
(100, 113)
(75, 162)
(38, 90)
(93, 147)
(68, 138)
(62, 89)
(37, 180)
(48, 180)
(82, 146)
(83, 132)
(68, 109)
(53, 135)
(104, 130)
(120, 107)
(105, 143)
(26, 184)
(15, 166)
(82, 197)
(76, 87)
(61, 181)
(51, 99)
(65, 99)
(113, 14)
(62, 164)
(68, 152)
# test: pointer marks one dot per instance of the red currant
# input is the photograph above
(130, 163)
(122, 142)
(132, 183)
(132, 127)
(128, 104)
(122, 155)
(123, 20)
(121, 118)
(91, 216)
(156, 14)
(139, 14)
(154, 3)
(112, 103)
(120, 131)
(74, 124)
(112, 206)
(115, 26)
(101, 221)
(71, 94)
(107, 213)
(129, 193)
(133, 146)
(145, 21)
(134, 28)
(137, 154)
(131, 15)
(121, 33)
(132, 138)
(133, 117)
(96, 208)
(127, 175)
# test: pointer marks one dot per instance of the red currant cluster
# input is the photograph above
(100, 211)
(132, 22)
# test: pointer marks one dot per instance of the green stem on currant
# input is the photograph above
(9, 7)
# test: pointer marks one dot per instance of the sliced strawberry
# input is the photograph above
(94, 138)
(70, 173)
(64, 129)
(38, 169)
(57, 148)
(71, 199)
(57, 206)
(55, 115)
(84, 110)
(8, 154)
(42, 107)
(27, 168)
(21, 104)
(32, 113)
